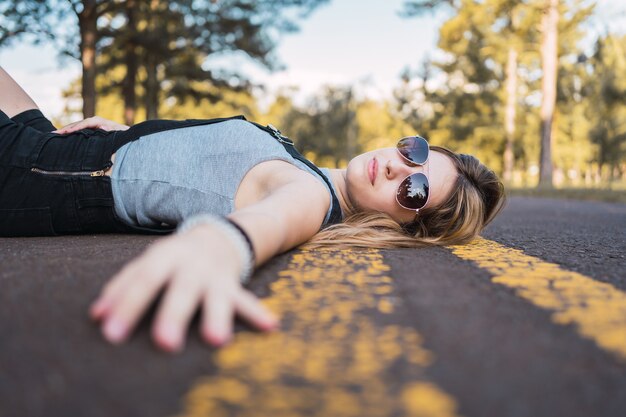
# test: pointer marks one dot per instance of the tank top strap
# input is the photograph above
(335, 214)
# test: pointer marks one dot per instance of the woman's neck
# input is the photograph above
(338, 177)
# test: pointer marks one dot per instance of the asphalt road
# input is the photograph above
(528, 322)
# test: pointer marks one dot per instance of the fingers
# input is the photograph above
(101, 307)
(126, 299)
(191, 279)
(217, 321)
(180, 302)
(95, 122)
(66, 129)
(83, 124)
(131, 299)
(254, 312)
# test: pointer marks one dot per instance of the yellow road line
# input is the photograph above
(331, 359)
(596, 309)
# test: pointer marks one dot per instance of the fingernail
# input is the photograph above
(268, 326)
(170, 338)
(114, 330)
(273, 322)
(214, 338)
(98, 308)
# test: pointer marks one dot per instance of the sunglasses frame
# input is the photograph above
(425, 173)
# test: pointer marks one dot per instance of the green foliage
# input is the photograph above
(418, 7)
(327, 126)
(458, 100)
(163, 46)
(232, 103)
(29, 19)
(335, 125)
(606, 93)
(169, 44)
(464, 111)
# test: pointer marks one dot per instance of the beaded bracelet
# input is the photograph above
(238, 236)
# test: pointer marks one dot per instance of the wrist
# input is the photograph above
(241, 243)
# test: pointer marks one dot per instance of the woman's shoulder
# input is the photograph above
(269, 177)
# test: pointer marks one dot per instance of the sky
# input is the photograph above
(346, 41)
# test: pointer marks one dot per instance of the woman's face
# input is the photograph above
(390, 169)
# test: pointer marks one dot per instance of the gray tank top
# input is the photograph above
(160, 179)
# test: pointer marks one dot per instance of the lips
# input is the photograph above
(373, 170)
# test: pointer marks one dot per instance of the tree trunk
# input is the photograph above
(152, 83)
(130, 80)
(152, 89)
(350, 127)
(509, 115)
(549, 58)
(87, 22)
(612, 173)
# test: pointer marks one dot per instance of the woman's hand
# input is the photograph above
(92, 123)
(196, 269)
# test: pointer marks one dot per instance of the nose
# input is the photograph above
(397, 168)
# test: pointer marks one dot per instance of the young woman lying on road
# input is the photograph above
(235, 193)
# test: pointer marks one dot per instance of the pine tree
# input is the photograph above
(549, 66)
(148, 41)
(607, 109)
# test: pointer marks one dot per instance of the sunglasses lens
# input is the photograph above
(414, 148)
(413, 192)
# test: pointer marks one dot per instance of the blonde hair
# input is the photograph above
(477, 197)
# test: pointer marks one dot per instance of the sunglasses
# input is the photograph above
(413, 192)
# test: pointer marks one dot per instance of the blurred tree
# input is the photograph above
(168, 41)
(572, 151)
(379, 125)
(511, 103)
(412, 8)
(549, 63)
(172, 41)
(232, 103)
(24, 19)
(512, 24)
(333, 129)
(491, 54)
(326, 128)
(280, 108)
(607, 109)
(462, 108)
(47, 20)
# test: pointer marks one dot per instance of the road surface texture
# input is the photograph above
(528, 321)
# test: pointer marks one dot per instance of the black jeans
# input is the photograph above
(52, 184)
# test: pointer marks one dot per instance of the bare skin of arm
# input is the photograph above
(13, 99)
(200, 269)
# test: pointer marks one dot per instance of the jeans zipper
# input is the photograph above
(99, 173)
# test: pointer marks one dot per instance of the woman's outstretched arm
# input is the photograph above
(201, 268)
(13, 99)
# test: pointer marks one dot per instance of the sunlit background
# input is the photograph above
(345, 76)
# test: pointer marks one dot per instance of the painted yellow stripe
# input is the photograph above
(331, 359)
(596, 309)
